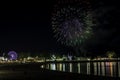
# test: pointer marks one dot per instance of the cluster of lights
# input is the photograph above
(12, 55)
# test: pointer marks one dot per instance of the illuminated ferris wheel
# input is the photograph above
(12, 55)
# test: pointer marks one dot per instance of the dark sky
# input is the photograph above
(107, 32)
(27, 26)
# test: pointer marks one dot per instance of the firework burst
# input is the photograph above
(72, 22)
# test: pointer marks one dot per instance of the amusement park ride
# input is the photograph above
(12, 55)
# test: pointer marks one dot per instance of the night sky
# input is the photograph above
(27, 27)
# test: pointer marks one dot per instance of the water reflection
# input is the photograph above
(70, 67)
(78, 67)
(88, 68)
(96, 68)
(119, 69)
(103, 68)
(111, 68)
(52, 66)
(60, 67)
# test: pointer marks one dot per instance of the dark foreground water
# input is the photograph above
(32, 71)
(111, 69)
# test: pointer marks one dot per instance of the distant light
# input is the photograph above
(1, 58)
(88, 59)
(70, 57)
(53, 57)
(42, 66)
(12, 55)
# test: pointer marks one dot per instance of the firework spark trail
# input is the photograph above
(72, 23)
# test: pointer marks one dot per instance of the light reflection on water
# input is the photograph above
(88, 68)
(103, 68)
(119, 69)
(52, 66)
(96, 68)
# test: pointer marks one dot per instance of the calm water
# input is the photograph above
(95, 68)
